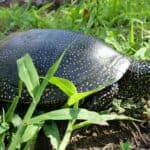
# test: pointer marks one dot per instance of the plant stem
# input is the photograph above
(81, 125)
(17, 137)
(2, 137)
(31, 143)
(67, 135)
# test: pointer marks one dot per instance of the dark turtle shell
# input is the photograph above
(88, 62)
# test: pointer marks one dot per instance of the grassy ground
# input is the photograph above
(125, 25)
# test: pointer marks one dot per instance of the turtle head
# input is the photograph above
(141, 69)
(136, 82)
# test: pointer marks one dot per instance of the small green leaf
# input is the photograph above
(110, 39)
(125, 146)
(65, 85)
(28, 74)
(52, 132)
(91, 21)
(147, 53)
(4, 127)
(31, 131)
(16, 120)
(79, 96)
(117, 106)
(143, 53)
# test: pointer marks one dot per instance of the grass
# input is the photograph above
(125, 25)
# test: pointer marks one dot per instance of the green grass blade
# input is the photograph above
(132, 38)
(4, 126)
(12, 107)
(70, 114)
(28, 74)
(54, 68)
(80, 114)
(65, 85)
(48, 76)
(52, 132)
(16, 120)
(2, 143)
(44, 7)
(81, 125)
(75, 98)
(67, 135)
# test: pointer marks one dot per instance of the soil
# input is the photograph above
(110, 138)
(97, 137)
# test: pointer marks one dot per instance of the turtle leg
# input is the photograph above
(103, 99)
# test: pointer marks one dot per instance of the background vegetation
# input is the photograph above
(123, 24)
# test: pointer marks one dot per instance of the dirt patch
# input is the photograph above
(98, 137)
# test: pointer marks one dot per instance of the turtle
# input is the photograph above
(88, 62)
